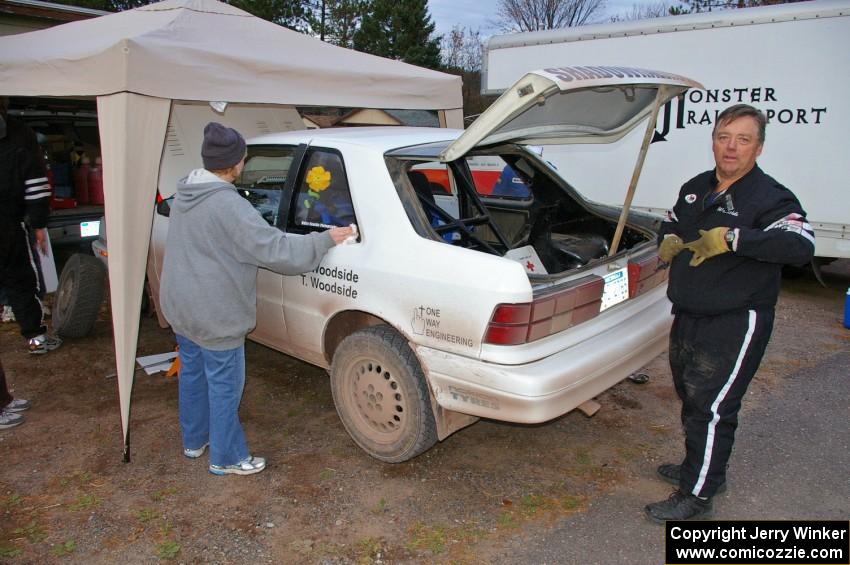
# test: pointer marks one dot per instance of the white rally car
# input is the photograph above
(482, 284)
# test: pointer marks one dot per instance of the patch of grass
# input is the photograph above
(327, 549)
(380, 507)
(423, 536)
(468, 533)
(165, 528)
(367, 549)
(84, 501)
(582, 456)
(64, 549)
(161, 495)
(507, 520)
(32, 532)
(9, 551)
(13, 500)
(629, 452)
(602, 473)
(570, 502)
(146, 515)
(79, 478)
(531, 503)
(168, 549)
(327, 473)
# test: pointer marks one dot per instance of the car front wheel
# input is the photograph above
(381, 396)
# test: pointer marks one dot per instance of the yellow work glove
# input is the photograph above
(710, 244)
(670, 247)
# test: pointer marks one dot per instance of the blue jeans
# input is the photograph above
(210, 386)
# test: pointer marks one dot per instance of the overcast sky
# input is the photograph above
(480, 14)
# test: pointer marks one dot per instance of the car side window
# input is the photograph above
(323, 198)
(263, 178)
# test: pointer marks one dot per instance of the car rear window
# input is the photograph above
(323, 198)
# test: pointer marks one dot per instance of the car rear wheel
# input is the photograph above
(79, 296)
(381, 396)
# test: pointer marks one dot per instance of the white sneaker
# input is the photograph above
(195, 453)
(40, 345)
(8, 314)
(247, 466)
(17, 405)
(10, 419)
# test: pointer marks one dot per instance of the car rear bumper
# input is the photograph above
(545, 389)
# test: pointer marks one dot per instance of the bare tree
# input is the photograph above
(536, 15)
(644, 12)
(696, 6)
(462, 52)
(462, 49)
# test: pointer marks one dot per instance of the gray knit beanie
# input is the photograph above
(223, 147)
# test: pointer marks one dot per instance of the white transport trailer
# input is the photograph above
(792, 61)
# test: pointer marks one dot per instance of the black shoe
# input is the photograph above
(679, 506)
(671, 473)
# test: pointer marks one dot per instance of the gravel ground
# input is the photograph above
(568, 491)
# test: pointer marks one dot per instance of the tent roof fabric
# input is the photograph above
(208, 50)
(138, 61)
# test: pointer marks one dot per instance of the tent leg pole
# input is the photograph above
(647, 137)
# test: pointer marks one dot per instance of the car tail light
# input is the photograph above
(645, 273)
(513, 324)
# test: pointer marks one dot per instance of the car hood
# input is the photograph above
(570, 105)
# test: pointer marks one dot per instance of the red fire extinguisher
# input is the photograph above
(81, 181)
(95, 183)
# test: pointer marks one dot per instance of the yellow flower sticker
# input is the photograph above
(318, 179)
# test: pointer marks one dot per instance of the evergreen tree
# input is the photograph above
(336, 21)
(401, 30)
(289, 13)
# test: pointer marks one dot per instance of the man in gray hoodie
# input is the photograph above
(216, 241)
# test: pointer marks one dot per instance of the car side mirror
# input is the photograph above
(163, 208)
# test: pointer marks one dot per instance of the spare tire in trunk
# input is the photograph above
(81, 288)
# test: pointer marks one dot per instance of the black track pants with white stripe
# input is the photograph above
(19, 277)
(713, 360)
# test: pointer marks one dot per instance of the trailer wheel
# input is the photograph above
(78, 298)
(381, 396)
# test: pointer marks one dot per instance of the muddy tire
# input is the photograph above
(381, 396)
(78, 298)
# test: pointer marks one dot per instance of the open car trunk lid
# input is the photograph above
(570, 105)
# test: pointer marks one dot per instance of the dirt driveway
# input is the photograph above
(65, 495)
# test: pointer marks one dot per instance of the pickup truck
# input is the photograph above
(61, 124)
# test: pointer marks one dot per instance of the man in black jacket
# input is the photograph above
(741, 226)
(24, 200)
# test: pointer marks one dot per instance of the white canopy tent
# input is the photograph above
(138, 62)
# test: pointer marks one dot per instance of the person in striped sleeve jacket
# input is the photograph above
(726, 240)
(24, 200)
